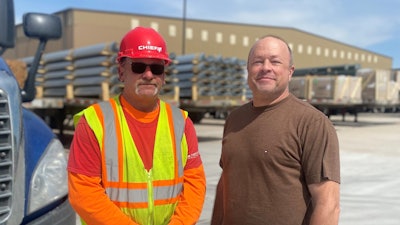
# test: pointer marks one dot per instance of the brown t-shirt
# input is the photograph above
(269, 156)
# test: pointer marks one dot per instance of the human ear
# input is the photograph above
(121, 71)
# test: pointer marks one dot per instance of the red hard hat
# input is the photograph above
(142, 42)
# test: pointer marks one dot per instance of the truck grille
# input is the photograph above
(6, 158)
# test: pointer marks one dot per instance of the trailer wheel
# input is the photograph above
(196, 117)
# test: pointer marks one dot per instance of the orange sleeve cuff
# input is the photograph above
(89, 200)
(191, 199)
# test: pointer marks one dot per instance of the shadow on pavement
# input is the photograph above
(205, 139)
(359, 123)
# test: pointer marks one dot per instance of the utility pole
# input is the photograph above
(184, 28)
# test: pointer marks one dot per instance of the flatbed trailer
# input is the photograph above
(364, 90)
(58, 112)
(340, 109)
(354, 108)
(217, 106)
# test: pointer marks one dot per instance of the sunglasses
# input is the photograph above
(138, 67)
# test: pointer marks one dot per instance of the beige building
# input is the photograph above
(86, 27)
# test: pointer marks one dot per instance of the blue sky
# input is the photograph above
(368, 24)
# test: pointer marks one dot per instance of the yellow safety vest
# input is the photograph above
(148, 197)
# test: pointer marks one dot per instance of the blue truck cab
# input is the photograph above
(33, 176)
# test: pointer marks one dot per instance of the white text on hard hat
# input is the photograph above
(150, 47)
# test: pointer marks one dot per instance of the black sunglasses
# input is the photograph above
(138, 67)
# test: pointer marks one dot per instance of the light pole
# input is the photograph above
(184, 28)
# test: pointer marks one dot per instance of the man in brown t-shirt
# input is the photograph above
(280, 155)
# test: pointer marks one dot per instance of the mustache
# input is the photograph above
(265, 76)
(147, 83)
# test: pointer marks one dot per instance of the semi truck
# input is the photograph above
(33, 177)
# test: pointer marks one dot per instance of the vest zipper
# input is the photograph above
(150, 197)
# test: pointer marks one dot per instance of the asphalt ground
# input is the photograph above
(370, 167)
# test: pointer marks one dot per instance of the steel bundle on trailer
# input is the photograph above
(76, 73)
(209, 77)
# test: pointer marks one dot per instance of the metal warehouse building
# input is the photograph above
(87, 27)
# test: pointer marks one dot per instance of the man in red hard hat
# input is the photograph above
(134, 159)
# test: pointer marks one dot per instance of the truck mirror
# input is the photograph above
(42, 26)
(7, 24)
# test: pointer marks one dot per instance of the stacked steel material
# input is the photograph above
(55, 72)
(187, 68)
(93, 69)
(75, 73)
(200, 76)
(231, 78)
(225, 76)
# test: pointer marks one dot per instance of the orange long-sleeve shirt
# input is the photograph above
(86, 194)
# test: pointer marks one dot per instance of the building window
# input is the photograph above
(300, 48)
(134, 23)
(189, 33)
(309, 50)
(369, 58)
(172, 30)
(342, 54)
(375, 59)
(218, 37)
(318, 51)
(362, 57)
(326, 52)
(154, 25)
(246, 41)
(204, 35)
(349, 55)
(232, 39)
(356, 56)
(334, 53)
